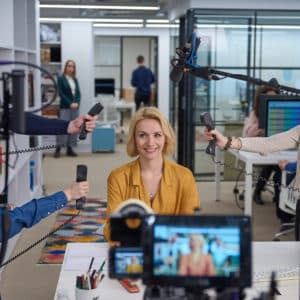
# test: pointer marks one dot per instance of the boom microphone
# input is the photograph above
(81, 175)
(176, 74)
(205, 73)
(186, 58)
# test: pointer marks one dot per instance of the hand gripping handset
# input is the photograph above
(95, 110)
(81, 175)
(207, 121)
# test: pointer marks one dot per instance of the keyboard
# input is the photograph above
(281, 274)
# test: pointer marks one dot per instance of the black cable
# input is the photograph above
(255, 176)
(236, 191)
(34, 149)
(43, 71)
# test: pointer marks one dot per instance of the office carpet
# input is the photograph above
(87, 226)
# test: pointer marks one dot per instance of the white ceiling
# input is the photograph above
(162, 13)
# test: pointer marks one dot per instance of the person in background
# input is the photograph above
(286, 140)
(196, 263)
(251, 129)
(69, 93)
(35, 210)
(163, 185)
(142, 78)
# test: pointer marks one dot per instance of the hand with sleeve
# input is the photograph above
(77, 190)
(74, 125)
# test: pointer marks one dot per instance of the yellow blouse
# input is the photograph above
(177, 195)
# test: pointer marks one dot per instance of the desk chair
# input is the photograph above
(289, 204)
(239, 190)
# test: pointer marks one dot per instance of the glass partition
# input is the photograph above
(260, 44)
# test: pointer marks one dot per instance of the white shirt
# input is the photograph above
(71, 82)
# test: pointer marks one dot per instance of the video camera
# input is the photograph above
(159, 249)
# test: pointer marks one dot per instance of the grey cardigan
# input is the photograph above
(277, 142)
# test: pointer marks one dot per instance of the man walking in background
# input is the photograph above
(142, 78)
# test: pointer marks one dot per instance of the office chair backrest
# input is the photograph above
(288, 197)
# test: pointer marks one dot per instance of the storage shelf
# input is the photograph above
(18, 42)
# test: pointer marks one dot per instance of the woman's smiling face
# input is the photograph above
(149, 139)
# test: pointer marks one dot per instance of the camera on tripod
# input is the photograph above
(162, 250)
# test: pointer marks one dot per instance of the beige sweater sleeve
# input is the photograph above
(282, 141)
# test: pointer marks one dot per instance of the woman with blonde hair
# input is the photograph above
(163, 185)
(69, 93)
(196, 263)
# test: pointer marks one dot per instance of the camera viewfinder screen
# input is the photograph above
(196, 252)
(128, 261)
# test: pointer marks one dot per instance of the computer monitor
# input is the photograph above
(281, 100)
(104, 86)
(282, 115)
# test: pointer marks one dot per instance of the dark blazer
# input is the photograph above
(65, 93)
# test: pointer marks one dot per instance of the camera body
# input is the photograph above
(159, 252)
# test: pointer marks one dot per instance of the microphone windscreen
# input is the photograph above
(176, 75)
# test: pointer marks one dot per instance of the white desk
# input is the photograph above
(267, 256)
(76, 261)
(251, 159)
(123, 105)
(114, 109)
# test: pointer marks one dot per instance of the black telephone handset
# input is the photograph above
(81, 175)
(207, 121)
(95, 110)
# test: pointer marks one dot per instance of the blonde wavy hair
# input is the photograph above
(66, 64)
(155, 114)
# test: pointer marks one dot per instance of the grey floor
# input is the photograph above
(24, 279)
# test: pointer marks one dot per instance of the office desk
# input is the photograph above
(114, 109)
(123, 105)
(76, 262)
(266, 257)
(251, 159)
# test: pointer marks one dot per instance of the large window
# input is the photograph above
(260, 44)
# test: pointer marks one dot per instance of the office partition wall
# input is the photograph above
(261, 44)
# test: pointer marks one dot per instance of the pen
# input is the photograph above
(95, 281)
(78, 282)
(88, 282)
(92, 275)
(101, 267)
(101, 278)
(91, 264)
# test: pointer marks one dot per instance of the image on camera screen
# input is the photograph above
(196, 251)
(128, 261)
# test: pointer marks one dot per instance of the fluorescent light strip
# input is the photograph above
(157, 21)
(234, 26)
(91, 20)
(118, 25)
(110, 7)
(162, 25)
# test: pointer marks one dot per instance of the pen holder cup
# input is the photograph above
(81, 294)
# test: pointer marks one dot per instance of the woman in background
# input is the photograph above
(282, 141)
(251, 129)
(69, 93)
